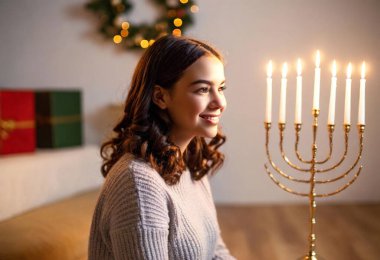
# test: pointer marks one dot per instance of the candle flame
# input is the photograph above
(318, 59)
(269, 69)
(349, 70)
(284, 70)
(363, 70)
(334, 68)
(299, 67)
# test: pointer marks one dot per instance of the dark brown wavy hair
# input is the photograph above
(144, 128)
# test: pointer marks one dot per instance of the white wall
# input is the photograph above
(54, 44)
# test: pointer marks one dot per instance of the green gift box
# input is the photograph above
(58, 118)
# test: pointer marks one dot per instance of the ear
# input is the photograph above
(160, 96)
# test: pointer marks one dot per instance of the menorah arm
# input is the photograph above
(343, 187)
(347, 130)
(331, 132)
(298, 130)
(282, 186)
(281, 126)
(279, 171)
(267, 127)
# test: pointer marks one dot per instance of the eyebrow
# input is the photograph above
(199, 81)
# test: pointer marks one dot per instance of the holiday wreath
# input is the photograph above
(176, 16)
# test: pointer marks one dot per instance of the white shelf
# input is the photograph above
(31, 180)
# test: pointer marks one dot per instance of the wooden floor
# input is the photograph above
(344, 232)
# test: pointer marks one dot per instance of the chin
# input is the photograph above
(210, 133)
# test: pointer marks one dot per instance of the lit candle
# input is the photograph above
(298, 115)
(282, 114)
(268, 114)
(317, 81)
(347, 101)
(331, 117)
(361, 112)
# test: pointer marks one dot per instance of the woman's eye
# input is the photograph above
(202, 90)
(222, 88)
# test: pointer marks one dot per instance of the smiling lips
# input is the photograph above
(212, 119)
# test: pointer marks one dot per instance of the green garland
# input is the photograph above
(176, 17)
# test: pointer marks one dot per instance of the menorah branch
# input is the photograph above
(298, 128)
(275, 167)
(343, 187)
(330, 129)
(361, 129)
(281, 127)
(343, 157)
(282, 186)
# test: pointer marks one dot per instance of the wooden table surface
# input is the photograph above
(280, 232)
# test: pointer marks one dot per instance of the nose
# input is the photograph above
(218, 101)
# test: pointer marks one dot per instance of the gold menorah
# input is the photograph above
(313, 171)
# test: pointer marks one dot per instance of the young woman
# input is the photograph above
(156, 201)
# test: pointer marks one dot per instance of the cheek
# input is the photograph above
(193, 104)
(198, 106)
(184, 110)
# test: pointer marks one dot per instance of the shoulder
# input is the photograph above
(205, 183)
(135, 192)
(132, 172)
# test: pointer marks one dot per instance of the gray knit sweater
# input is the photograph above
(139, 216)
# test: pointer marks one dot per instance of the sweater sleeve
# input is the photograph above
(221, 251)
(140, 243)
(138, 215)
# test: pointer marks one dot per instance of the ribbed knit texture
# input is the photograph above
(139, 216)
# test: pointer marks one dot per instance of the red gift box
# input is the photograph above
(17, 121)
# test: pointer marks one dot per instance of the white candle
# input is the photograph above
(298, 114)
(317, 81)
(361, 112)
(282, 114)
(268, 114)
(347, 101)
(331, 117)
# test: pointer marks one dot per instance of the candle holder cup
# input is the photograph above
(313, 171)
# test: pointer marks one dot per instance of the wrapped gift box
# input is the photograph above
(17, 121)
(59, 118)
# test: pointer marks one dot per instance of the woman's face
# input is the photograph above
(196, 101)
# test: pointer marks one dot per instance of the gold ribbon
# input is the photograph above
(7, 126)
(58, 119)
